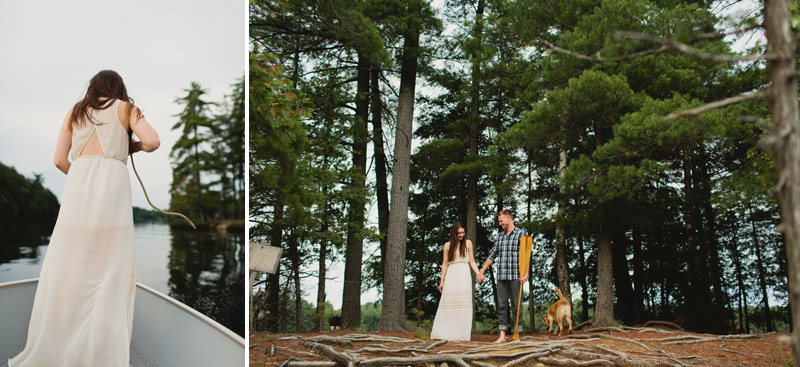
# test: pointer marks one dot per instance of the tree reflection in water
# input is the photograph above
(22, 240)
(206, 272)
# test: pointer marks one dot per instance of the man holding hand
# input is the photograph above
(506, 253)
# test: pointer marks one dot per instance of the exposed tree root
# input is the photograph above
(665, 323)
(596, 347)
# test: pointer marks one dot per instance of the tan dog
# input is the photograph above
(557, 312)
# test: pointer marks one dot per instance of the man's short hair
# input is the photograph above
(506, 212)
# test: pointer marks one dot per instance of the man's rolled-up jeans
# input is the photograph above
(506, 289)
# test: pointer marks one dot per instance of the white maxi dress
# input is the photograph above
(83, 310)
(454, 316)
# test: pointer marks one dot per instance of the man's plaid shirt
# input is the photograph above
(505, 253)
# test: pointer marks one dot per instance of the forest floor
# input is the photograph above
(612, 346)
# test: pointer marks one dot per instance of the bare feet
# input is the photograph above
(502, 338)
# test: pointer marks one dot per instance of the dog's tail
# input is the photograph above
(561, 296)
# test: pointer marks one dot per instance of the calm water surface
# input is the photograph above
(201, 269)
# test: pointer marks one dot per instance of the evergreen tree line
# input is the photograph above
(532, 106)
(147, 216)
(208, 158)
(25, 199)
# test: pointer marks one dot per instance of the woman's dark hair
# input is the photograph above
(108, 84)
(455, 243)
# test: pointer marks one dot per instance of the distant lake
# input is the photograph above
(201, 269)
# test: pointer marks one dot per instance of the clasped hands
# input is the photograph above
(481, 278)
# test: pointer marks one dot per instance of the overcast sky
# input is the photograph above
(49, 51)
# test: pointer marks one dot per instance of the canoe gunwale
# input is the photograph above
(205, 319)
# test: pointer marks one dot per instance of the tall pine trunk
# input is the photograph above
(762, 274)
(298, 299)
(784, 142)
(638, 278)
(622, 279)
(604, 305)
(474, 129)
(273, 280)
(583, 282)
(562, 266)
(696, 316)
(393, 314)
(351, 297)
(323, 255)
(742, 289)
(719, 297)
(381, 188)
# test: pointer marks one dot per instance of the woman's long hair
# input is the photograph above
(108, 84)
(455, 243)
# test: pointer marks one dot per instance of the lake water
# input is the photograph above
(201, 269)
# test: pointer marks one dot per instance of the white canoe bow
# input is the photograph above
(166, 333)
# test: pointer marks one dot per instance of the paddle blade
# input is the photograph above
(525, 244)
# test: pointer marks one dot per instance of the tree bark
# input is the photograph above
(273, 280)
(604, 305)
(531, 304)
(762, 274)
(474, 129)
(710, 241)
(381, 188)
(638, 278)
(562, 266)
(698, 315)
(298, 299)
(323, 256)
(622, 279)
(783, 141)
(393, 314)
(737, 264)
(583, 282)
(351, 297)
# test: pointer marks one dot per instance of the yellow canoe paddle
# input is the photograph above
(525, 244)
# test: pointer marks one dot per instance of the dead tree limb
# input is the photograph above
(763, 94)
(597, 57)
(689, 50)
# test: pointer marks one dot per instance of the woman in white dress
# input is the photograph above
(83, 310)
(454, 316)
